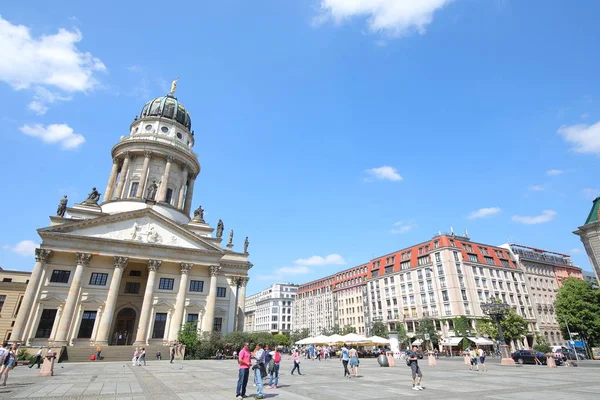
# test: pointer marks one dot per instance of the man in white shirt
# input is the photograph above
(38, 358)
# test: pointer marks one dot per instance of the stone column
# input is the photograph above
(123, 176)
(209, 315)
(111, 301)
(241, 306)
(142, 333)
(189, 194)
(181, 202)
(110, 186)
(177, 316)
(42, 256)
(144, 177)
(162, 192)
(83, 260)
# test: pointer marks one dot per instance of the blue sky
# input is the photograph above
(329, 131)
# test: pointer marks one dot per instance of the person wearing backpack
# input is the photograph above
(274, 369)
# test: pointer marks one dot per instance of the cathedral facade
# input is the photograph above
(134, 268)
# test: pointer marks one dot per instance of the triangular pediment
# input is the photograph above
(141, 226)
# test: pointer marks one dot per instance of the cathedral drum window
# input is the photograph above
(148, 127)
(164, 129)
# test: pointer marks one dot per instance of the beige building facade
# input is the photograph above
(12, 290)
(271, 309)
(135, 268)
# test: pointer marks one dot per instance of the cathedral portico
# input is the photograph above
(135, 268)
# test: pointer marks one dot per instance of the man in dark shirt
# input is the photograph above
(413, 357)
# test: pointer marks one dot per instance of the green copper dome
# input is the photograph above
(167, 107)
(593, 216)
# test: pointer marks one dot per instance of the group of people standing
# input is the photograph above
(266, 363)
(139, 356)
(474, 357)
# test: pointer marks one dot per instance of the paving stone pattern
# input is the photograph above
(215, 380)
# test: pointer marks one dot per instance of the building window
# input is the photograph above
(196, 286)
(445, 295)
(59, 276)
(221, 292)
(18, 306)
(192, 319)
(217, 324)
(2, 300)
(46, 322)
(423, 260)
(135, 273)
(160, 321)
(438, 257)
(169, 196)
(473, 257)
(405, 265)
(87, 324)
(504, 262)
(132, 287)
(389, 270)
(134, 189)
(166, 284)
(489, 260)
(6, 279)
(98, 279)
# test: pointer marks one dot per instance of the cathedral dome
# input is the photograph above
(167, 107)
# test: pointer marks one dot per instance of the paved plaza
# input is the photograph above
(199, 380)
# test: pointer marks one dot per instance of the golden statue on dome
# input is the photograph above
(174, 86)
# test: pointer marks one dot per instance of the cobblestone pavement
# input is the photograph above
(196, 380)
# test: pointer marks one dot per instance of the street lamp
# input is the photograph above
(497, 310)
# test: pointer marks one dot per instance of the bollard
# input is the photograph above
(48, 365)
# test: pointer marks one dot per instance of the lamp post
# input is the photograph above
(497, 310)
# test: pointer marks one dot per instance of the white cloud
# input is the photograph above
(55, 133)
(583, 138)
(536, 188)
(332, 259)
(484, 212)
(401, 227)
(591, 193)
(48, 61)
(23, 248)
(553, 172)
(576, 250)
(547, 215)
(383, 173)
(284, 273)
(392, 17)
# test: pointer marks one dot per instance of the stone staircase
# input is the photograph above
(111, 353)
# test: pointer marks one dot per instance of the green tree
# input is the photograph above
(401, 331)
(236, 339)
(378, 328)
(462, 328)
(281, 340)
(487, 328)
(514, 326)
(427, 330)
(188, 335)
(299, 335)
(541, 344)
(578, 304)
(348, 329)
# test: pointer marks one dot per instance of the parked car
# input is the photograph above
(529, 356)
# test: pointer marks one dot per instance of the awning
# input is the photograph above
(417, 342)
(481, 341)
(452, 341)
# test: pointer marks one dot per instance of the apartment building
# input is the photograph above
(443, 278)
(314, 306)
(272, 309)
(544, 271)
(350, 298)
(12, 290)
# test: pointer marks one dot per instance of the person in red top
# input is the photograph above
(244, 363)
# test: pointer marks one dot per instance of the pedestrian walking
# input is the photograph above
(136, 355)
(345, 358)
(243, 373)
(259, 370)
(274, 370)
(431, 359)
(98, 352)
(142, 357)
(296, 358)
(354, 362)
(172, 351)
(8, 357)
(474, 363)
(38, 358)
(413, 362)
(481, 355)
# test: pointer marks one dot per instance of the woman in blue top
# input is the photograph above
(345, 359)
(353, 354)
